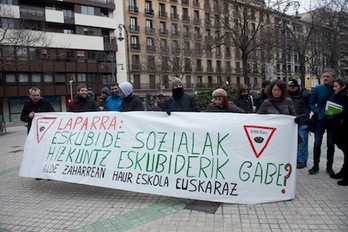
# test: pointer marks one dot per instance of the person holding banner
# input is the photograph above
(277, 101)
(300, 98)
(114, 101)
(82, 102)
(35, 104)
(244, 100)
(340, 121)
(220, 103)
(130, 102)
(180, 101)
(317, 102)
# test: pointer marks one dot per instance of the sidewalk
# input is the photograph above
(30, 205)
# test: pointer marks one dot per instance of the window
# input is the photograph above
(22, 53)
(35, 78)
(173, 12)
(148, 7)
(48, 78)
(8, 2)
(88, 30)
(148, 26)
(7, 23)
(81, 77)
(162, 10)
(59, 78)
(68, 14)
(10, 78)
(149, 42)
(163, 27)
(88, 10)
(174, 29)
(23, 78)
(133, 24)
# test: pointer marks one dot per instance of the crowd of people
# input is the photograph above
(276, 97)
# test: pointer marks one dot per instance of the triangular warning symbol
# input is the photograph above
(42, 125)
(259, 137)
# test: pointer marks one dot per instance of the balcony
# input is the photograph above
(219, 70)
(149, 30)
(163, 32)
(149, 12)
(150, 48)
(134, 28)
(135, 47)
(186, 18)
(133, 9)
(174, 16)
(196, 4)
(175, 34)
(197, 36)
(162, 14)
(185, 2)
(197, 21)
(210, 69)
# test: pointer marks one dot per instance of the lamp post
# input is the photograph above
(295, 5)
(121, 38)
(113, 66)
(71, 92)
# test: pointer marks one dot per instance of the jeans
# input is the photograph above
(319, 130)
(302, 148)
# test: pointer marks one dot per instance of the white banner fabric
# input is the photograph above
(221, 157)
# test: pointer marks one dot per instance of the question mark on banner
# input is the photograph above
(288, 168)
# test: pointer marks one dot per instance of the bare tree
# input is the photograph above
(247, 28)
(17, 35)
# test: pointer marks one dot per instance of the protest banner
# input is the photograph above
(221, 157)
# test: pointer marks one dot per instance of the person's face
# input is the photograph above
(103, 95)
(245, 92)
(114, 89)
(337, 87)
(218, 100)
(292, 89)
(83, 92)
(35, 96)
(122, 94)
(328, 78)
(179, 85)
(276, 92)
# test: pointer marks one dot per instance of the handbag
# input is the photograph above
(311, 122)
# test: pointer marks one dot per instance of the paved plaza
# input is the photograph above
(27, 204)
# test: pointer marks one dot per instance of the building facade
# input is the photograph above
(61, 43)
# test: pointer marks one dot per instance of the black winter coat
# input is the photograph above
(186, 103)
(340, 121)
(300, 99)
(41, 106)
(82, 105)
(132, 103)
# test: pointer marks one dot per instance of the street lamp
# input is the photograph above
(295, 5)
(71, 92)
(121, 38)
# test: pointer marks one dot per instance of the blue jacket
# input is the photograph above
(317, 102)
(113, 103)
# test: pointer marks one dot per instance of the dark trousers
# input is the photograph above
(319, 131)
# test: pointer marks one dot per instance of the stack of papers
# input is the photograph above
(332, 108)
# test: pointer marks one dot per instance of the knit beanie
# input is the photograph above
(126, 88)
(176, 81)
(105, 90)
(219, 93)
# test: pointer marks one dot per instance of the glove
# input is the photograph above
(297, 120)
(168, 112)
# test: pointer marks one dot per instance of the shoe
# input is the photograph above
(301, 165)
(330, 171)
(338, 175)
(343, 182)
(38, 179)
(313, 170)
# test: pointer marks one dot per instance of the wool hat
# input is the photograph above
(293, 83)
(176, 81)
(219, 93)
(105, 90)
(126, 88)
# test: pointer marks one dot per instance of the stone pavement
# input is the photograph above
(30, 205)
